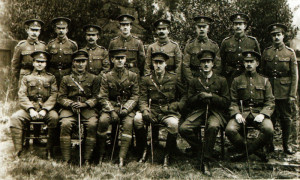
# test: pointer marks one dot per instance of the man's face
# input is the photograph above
(125, 28)
(202, 30)
(61, 31)
(162, 32)
(80, 65)
(159, 66)
(251, 65)
(119, 61)
(92, 38)
(39, 65)
(33, 33)
(206, 65)
(239, 27)
(277, 37)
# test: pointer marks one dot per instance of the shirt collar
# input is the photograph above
(91, 47)
(239, 37)
(202, 39)
(31, 41)
(250, 74)
(63, 40)
(163, 41)
(35, 72)
(278, 46)
(128, 38)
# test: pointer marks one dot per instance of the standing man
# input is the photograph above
(165, 45)
(61, 49)
(119, 94)
(233, 46)
(37, 97)
(98, 62)
(279, 64)
(161, 101)
(252, 103)
(77, 94)
(209, 97)
(135, 53)
(191, 64)
(21, 63)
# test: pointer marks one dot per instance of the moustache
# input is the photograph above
(161, 34)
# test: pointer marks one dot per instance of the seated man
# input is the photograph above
(77, 94)
(252, 103)
(208, 96)
(161, 101)
(37, 97)
(119, 94)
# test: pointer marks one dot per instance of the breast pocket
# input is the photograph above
(68, 51)
(53, 51)
(47, 89)
(230, 49)
(260, 92)
(242, 92)
(284, 63)
(32, 88)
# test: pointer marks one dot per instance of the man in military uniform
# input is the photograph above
(37, 97)
(191, 64)
(98, 62)
(22, 61)
(78, 94)
(118, 95)
(252, 103)
(135, 55)
(166, 45)
(209, 97)
(162, 98)
(279, 64)
(233, 46)
(61, 49)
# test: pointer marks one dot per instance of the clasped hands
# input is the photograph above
(239, 118)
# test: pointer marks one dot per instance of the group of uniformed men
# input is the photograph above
(125, 86)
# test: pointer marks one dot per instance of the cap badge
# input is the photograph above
(238, 17)
(202, 20)
(249, 55)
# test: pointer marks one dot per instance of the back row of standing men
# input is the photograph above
(159, 99)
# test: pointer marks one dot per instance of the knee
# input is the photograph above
(173, 125)
(230, 130)
(66, 124)
(103, 123)
(53, 119)
(268, 130)
(183, 130)
(92, 122)
(15, 121)
(138, 121)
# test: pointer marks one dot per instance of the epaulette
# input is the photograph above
(252, 37)
(101, 47)
(21, 42)
(226, 38)
(173, 73)
(26, 74)
(42, 42)
(212, 41)
(174, 42)
(290, 49)
(51, 41)
(135, 37)
(147, 74)
(73, 43)
(268, 47)
(117, 37)
(48, 73)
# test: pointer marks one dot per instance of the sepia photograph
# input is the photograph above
(149, 89)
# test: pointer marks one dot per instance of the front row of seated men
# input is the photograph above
(159, 99)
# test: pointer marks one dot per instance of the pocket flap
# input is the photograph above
(260, 87)
(68, 51)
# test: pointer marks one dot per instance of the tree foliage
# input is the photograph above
(181, 12)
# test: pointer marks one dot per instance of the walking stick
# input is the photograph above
(151, 135)
(246, 141)
(79, 132)
(117, 130)
(203, 143)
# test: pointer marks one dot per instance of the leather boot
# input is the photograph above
(171, 145)
(286, 129)
(101, 140)
(141, 141)
(210, 139)
(155, 134)
(50, 143)
(88, 148)
(17, 137)
(125, 143)
(65, 145)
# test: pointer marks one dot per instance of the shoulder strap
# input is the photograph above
(77, 84)
(157, 88)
